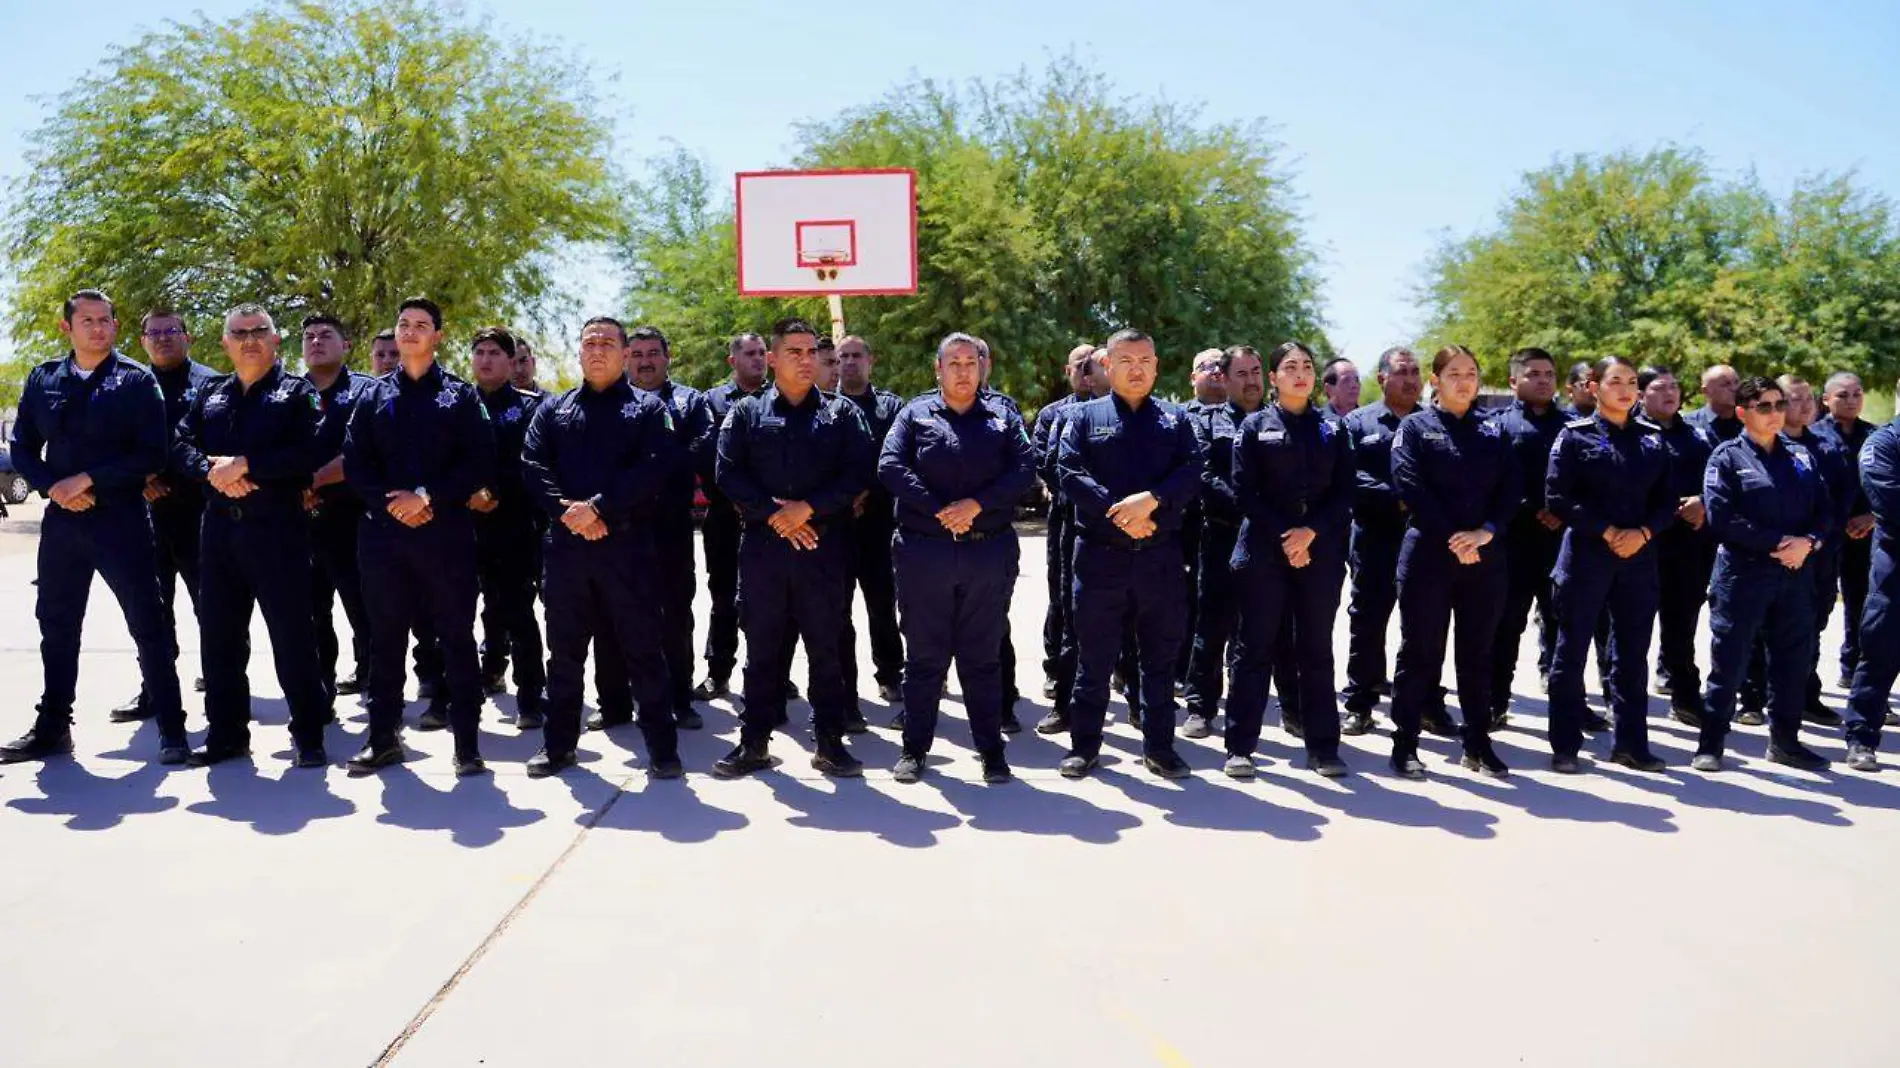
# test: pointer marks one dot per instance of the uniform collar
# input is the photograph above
(113, 358)
(1123, 408)
(504, 395)
(619, 390)
(733, 389)
(431, 381)
(1472, 416)
(1553, 410)
(814, 399)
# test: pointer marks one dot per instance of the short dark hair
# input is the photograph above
(738, 338)
(1524, 357)
(1443, 357)
(825, 344)
(791, 325)
(422, 304)
(66, 310)
(1648, 375)
(1283, 350)
(1384, 366)
(1332, 374)
(649, 333)
(609, 320)
(1753, 387)
(386, 334)
(503, 340)
(1228, 354)
(1603, 365)
(1579, 372)
(317, 319)
(1127, 335)
(160, 311)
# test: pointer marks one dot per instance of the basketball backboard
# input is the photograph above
(827, 233)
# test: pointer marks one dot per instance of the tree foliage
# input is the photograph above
(1651, 255)
(312, 156)
(1050, 211)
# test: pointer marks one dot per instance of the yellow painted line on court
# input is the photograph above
(1164, 1053)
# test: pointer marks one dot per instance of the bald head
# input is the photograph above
(1208, 378)
(1718, 389)
(1080, 368)
(1843, 397)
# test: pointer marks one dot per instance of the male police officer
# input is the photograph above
(384, 357)
(1685, 550)
(1717, 415)
(91, 428)
(791, 461)
(1079, 365)
(956, 462)
(745, 354)
(597, 459)
(177, 502)
(251, 438)
(1843, 398)
(506, 536)
(335, 510)
(1129, 465)
(524, 367)
(1215, 428)
(1340, 382)
(1535, 535)
(873, 525)
(419, 445)
(1880, 627)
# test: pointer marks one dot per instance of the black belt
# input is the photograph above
(967, 537)
(242, 510)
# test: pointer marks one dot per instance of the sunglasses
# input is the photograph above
(165, 334)
(1768, 407)
(255, 333)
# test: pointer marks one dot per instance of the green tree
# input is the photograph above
(1050, 212)
(312, 156)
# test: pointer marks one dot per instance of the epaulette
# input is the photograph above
(1581, 424)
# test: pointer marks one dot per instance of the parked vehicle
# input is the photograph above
(13, 485)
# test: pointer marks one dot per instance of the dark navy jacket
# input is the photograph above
(1689, 447)
(1109, 451)
(180, 385)
(336, 404)
(692, 424)
(110, 425)
(509, 413)
(273, 425)
(1375, 502)
(1454, 473)
(879, 408)
(719, 401)
(1602, 476)
(1880, 484)
(1291, 471)
(1048, 437)
(1719, 428)
(1850, 442)
(615, 447)
(1531, 437)
(1843, 481)
(933, 457)
(430, 433)
(818, 451)
(1756, 497)
(1216, 429)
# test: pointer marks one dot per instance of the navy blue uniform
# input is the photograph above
(1378, 529)
(720, 532)
(1058, 544)
(1216, 427)
(1756, 497)
(334, 529)
(109, 424)
(1454, 473)
(256, 548)
(871, 568)
(1720, 427)
(1685, 557)
(1601, 476)
(1289, 471)
(1108, 452)
(176, 515)
(1880, 624)
(818, 451)
(616, 448)
(954, 590)
(1856, 554)
(507, 552)
(1530, 548)
(427, 434)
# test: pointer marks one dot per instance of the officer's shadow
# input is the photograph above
(1195, 803)
(474, 811)
(1021, 808)
(854, 806)
(671, 809)
(1541, 798)
(241, 794)
(94, 802)
(1361, 796)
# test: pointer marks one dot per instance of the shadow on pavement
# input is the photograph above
(93, 802)
(474, 810)
(271, 806)
(853, 806)
(1018, 807)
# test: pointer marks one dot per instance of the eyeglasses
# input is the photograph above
(165, 334)
(1768, 407)
(255, 333)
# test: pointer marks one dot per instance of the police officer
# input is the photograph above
(1094, 378)
(596, 462)
(1769, 509)
(1079, 366)
(1129, 466)
(872, 526)
(1458, 478)
(90, 428)
(385, 360)
(1843, 398)
(418, 446)
(1216, 428)
(1717, 415)
(1685, 551)
(335, 510)
(1577, 396)
(506, 533)
(384, 357)
(250, 437)
(1608, 480)
(523, 378)
(1378, 530)
(745, 354)
(177, 502)
(1293, 482)
(1209, 385)
(955, 462)
(1880, 626)
(792, 460)
(1340, 380)
(1531, 542)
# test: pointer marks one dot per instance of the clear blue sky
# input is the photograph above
(1404, 120)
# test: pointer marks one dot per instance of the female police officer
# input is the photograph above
(1459, 481)
(1768, 507)
(956, 461)
(1608, 480)
(1293, 480)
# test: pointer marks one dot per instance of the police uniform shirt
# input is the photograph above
(109, 424)
(879, 408)
(273, 425)
(1216, 427)
(934, 456)
(1454, 473)
(1840, 475)
(1719, 427)
(1849, 442)
(1531, 437)
(180, 385)
(509, 413)
(1689, 447)
(1292, 471)
(614, 447)
(692, 424)
(1048, 435)
(719, 402)
(429, 434)
(1755, 497)
(334, 405)
(1109, 451)
(1375, 503)
(1601, 475)
(818, 451)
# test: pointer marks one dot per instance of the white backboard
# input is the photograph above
(848, 233)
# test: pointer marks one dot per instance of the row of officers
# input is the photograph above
(414, 496)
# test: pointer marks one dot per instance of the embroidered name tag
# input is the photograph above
(1272, 435)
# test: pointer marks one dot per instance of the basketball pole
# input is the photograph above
(837, 317)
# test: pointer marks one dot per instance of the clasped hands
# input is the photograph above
(1465, 544)
(792, 522)
(1134, 515)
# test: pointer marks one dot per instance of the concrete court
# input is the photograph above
(254, 916)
